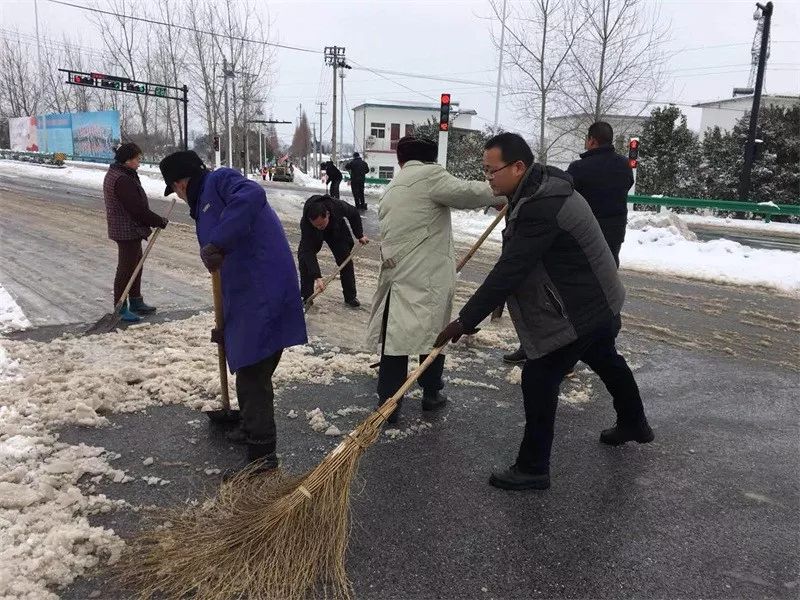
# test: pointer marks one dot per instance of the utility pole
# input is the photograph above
(315, 161)
(341, 115)
(500, 67)
(226, 73)
(319, 143)
(334, 57)
(750, 146)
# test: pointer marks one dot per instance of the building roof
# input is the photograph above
(738, 99)
(410, 105)
(587, 115)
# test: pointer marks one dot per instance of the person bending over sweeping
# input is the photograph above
(324, 220)
(560, 280)
(417, 279)
(240, 235)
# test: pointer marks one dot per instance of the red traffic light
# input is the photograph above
(444, 126)
(445, 98)
(633, 163)
(634, 144)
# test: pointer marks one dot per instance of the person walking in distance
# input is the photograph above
(334, 178)
(564, 294)
(358, 169)
(129, 221)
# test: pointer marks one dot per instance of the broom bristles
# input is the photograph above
(263, 536)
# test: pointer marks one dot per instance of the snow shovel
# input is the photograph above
(226, 415)
(307, 304)
(110, 321)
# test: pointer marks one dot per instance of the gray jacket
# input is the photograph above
(556, 271)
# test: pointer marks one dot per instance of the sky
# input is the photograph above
(709, 51)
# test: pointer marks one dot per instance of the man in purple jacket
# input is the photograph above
(241, 235)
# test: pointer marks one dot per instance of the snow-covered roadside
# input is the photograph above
(11, 318)
(662, 243)
(792, 229)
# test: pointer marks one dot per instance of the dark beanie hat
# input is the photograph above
(179, 165)
(356, 155)
(126, 152)
(416, 148)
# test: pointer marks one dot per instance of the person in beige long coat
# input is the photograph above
(416, 283)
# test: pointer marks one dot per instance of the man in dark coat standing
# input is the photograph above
(325, 219)
(604, 178)
(358, 172)
(334, 178)
(241, 236)
(565, 297)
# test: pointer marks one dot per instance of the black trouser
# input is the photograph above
(393, 370)
(542, 377)
(256, 395)
(129, 255)
(357, 185)
(340, 251)
(334, 191)
(614, 231)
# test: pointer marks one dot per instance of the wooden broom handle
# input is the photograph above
(138, 268)
(219, 320)
(481, 239)
(333, 275)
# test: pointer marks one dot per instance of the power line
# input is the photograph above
(185, 28)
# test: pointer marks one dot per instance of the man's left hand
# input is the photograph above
(453, 333)
(212, 257)
(364, 240)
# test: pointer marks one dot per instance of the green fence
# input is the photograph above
(768, 209)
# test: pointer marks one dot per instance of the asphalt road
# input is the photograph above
(708, 510)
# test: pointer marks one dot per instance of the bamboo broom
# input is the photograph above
(264, 536)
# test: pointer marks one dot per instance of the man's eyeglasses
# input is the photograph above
(490, 173)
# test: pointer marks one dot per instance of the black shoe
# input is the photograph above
(268, 464)
(514, 479)
(433, 401)
(263, 453)
(353, 302)
(619, 434)
(515, 358)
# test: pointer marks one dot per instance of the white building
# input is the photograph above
(725, 113)
(567, 134)
(379, 125)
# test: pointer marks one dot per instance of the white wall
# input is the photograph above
(725, 114)
(379, 153)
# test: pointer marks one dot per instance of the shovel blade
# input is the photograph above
(106, 324)
(224, 417)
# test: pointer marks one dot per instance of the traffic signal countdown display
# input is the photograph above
(444, 113)
(633, 153)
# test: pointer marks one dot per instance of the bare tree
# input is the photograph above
(204, 62)
(542, 35)
(20, 86)
(619, 59)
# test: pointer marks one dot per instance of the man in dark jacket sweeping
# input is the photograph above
(604, 178)
(358, 169)
(241, 236)
(564, 295)
(334, 178)
(324, 220)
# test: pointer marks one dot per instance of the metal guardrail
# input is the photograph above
(768, 209)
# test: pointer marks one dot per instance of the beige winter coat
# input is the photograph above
(418, 256)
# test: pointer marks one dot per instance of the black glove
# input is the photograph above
(212, 257)
(453, 332)
(218, 336)
(164, 223)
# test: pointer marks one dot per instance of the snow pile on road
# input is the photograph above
(661, 243)
(11, 315)
(45, 537)
(301, 178)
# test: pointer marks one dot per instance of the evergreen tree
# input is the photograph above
(272, 142)
(721, 166)
(669, 156)
(301, 142)
(464, 148)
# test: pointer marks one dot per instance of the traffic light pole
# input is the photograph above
(444, 129)
(185, 117)
(750, 146)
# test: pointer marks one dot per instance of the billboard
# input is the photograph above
(82, 135)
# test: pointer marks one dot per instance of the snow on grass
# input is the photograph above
(663, 243)
(651, 246)
(743, 224)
